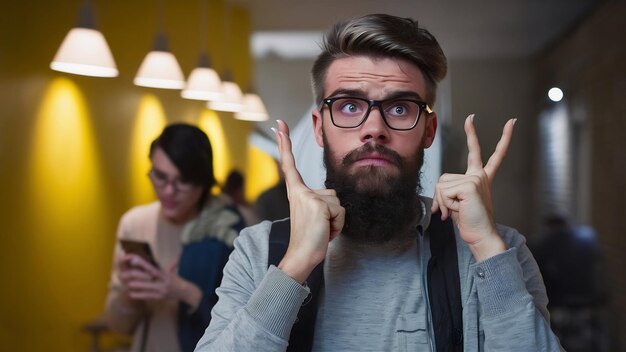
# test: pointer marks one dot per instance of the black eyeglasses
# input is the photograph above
(160, 181)
(398, 114)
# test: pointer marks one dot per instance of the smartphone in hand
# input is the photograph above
(139, 248)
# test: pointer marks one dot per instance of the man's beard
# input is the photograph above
(380, 207)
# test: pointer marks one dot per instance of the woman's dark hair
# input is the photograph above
(189, 148)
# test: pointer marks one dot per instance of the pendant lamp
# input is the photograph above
(159, 68)
(85, 51)
(203, 82)
(231, 100)
(253, 108)
(232, 95)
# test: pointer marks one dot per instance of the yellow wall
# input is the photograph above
(73, 154)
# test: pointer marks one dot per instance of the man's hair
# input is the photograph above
(382, 36)
(189, 148)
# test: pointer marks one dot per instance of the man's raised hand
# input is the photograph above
(467, 197)
(316, 215)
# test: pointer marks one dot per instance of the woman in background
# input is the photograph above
(167, 306)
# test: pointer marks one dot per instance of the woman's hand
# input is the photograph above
(145, 282)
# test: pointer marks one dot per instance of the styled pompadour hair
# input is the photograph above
(382, 36)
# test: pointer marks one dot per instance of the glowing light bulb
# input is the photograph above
(555, 94)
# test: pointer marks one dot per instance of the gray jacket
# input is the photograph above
(375, 299)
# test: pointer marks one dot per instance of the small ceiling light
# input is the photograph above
(85, 51)
(159, 68)
(232, 95)
(253, 109)
(203, 82)
(231, 100)
(555, 94)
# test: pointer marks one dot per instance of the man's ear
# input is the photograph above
(316, 115)
(431, 129)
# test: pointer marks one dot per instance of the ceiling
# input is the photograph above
(465, 29)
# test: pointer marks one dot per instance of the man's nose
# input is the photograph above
(374, 128)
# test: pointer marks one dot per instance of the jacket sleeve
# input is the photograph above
(122, 314)
(257, 305)
(513, 300)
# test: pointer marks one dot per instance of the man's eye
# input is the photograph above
(399, 110)
(350, 107)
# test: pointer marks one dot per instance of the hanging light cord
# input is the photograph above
(203, 26)
(161, 16)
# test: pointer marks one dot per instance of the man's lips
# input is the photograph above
(372, 154)
(374, 159)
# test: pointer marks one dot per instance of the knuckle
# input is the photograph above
(318, 204)
(475, 180)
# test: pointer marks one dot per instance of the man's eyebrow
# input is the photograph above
(404, 95)
(357, 93)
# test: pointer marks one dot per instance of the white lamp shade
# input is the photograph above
(253, 109)
(203, 84)
(160, 69)
(231, 100)
(84, 51)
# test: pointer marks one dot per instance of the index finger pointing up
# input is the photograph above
(474, 160)
(293, 180)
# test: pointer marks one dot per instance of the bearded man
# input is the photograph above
(374, 83)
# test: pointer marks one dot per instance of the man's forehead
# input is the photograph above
(382, 75)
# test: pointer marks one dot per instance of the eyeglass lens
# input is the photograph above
(398, 114)
(161, 181)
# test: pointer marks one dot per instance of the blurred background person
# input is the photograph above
(166, 306)
(571, 263)
(273, 204)
(234, 191)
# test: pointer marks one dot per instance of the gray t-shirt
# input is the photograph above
(375, 292)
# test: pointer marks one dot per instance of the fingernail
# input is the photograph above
(514, 121)
(471, 117)
(274, 130)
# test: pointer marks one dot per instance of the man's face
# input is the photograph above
(373, 154)
(373, 168)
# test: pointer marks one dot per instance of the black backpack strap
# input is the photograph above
(444, 287)
(301, 338)
(279, 241)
